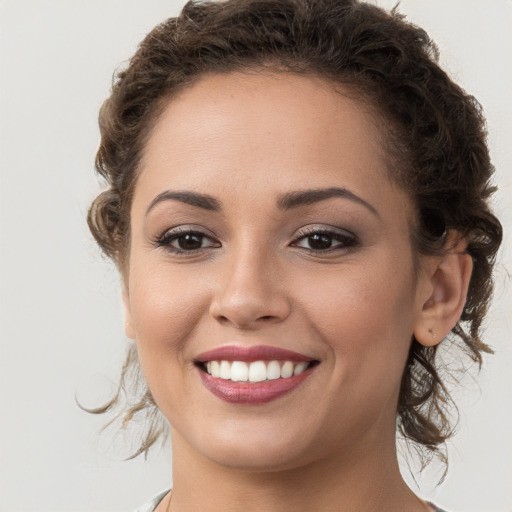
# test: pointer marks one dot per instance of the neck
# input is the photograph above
(365, 480)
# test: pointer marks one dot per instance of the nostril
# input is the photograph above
(248, 310)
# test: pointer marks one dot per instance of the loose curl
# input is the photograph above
(434, 134)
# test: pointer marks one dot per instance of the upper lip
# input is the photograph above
(249, 354)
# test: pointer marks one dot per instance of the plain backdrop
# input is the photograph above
(60, 313)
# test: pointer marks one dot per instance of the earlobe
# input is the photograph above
(449, 278)
(128, 326)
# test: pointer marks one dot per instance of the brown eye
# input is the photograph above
(188, 242)
(316, 240)
(319, 242)
(182, 241)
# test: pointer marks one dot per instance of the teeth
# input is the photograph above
(225, 370)
(273, 370)
(287, 370)
(300, 368)
(239, 371)
(257, 371)
(214, 369)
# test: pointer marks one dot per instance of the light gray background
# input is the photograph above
(60, 313)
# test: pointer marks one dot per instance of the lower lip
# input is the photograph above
(252, 393)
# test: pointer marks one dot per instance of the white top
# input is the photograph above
(151, 506)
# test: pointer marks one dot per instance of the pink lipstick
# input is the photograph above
(248, 354)
(253, 375)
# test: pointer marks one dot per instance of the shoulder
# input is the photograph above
(151, 505)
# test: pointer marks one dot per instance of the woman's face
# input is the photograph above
(264, 221)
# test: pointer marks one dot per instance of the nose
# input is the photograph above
(252, 291)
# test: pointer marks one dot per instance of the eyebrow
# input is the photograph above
(305, 197)
(286, 201)
(192, 198)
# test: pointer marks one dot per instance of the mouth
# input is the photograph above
(256, 371)
(253, 375)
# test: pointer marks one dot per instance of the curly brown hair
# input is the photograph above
(435, 137)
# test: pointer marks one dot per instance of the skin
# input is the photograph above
(246, 139)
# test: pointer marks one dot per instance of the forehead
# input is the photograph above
(264, 132)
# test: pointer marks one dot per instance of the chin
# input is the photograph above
(254, 450)
(256, 461)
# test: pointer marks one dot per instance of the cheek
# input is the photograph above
(165, 309)
(362, 297)
(365, 315)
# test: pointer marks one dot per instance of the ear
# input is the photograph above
(448, 278)
(128, 326)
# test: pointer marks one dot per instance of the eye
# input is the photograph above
(325, 240)
(181, 241)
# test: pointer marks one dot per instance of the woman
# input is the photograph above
(297, 205)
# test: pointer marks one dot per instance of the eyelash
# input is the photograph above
(166, 240)
(346, 240)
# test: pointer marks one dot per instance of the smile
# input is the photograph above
(257, 371)
(253, 374)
